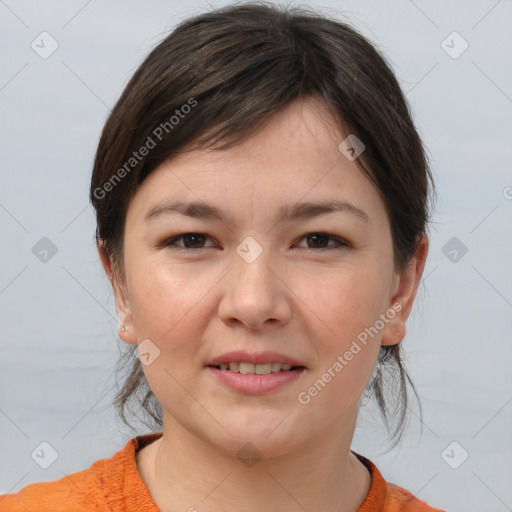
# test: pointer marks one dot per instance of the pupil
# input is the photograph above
(188, 237)
(317, 236)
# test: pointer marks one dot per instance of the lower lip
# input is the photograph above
(256, 384)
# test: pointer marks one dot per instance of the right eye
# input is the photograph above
(189, 239)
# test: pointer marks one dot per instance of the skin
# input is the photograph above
(200, 302)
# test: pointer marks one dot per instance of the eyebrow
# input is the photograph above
(295, 211)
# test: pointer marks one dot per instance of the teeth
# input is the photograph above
(276, 367)
(255, 369)
(246, 368)
(263, 369)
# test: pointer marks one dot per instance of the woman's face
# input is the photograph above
(304, 286)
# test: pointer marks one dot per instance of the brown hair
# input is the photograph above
(217, 78)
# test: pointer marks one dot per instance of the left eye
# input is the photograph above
(194, 239)
(320, 238)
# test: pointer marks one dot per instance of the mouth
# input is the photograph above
(255, 373)
(247, 368)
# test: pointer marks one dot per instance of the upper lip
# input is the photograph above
(239, 356)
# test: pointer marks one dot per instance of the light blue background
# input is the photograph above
(59, 329)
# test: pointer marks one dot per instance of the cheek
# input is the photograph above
(346, 346)
(346, 330)
(166, 298)
(346, 300)
(168, 307)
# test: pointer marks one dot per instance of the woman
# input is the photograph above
(262, 203)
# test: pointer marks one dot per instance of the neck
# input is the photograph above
(184, 472)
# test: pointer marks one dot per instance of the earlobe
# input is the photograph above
(127, 334)
(126, 329)
(406, 286)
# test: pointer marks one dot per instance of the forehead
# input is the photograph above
(294, 157)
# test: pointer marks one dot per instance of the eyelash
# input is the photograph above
(340, 243)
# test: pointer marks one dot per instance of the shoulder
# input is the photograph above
(76, 492)
(103, 486)
(386, 497)
(402, 500)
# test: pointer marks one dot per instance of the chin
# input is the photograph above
(253, 439)
(251, 448)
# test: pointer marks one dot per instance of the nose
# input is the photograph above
(255, 294)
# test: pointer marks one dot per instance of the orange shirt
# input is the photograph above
(114, 485)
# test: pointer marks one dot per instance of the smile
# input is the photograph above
(256, 369)
(244, 378)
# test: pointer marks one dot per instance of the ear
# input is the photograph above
(404, 293)
(121, 297)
